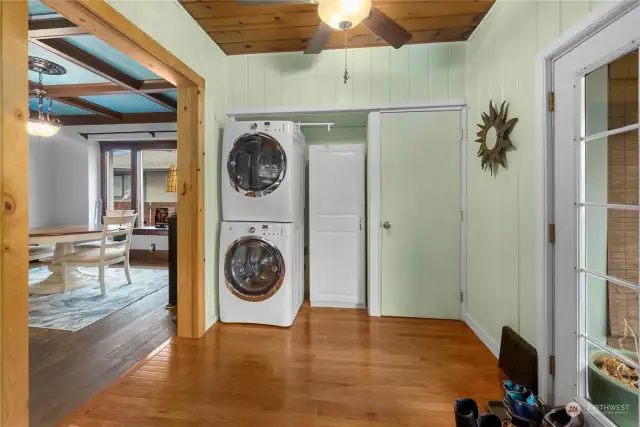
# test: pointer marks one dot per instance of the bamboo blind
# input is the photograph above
(622, 225)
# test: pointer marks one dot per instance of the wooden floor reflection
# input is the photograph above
(331, 368)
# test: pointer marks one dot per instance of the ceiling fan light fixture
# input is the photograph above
(344, 14)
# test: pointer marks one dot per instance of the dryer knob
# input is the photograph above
(253, 126)
(252, 229)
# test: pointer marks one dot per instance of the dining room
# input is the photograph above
(102, 214)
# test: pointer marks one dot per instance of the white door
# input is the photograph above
(596, 221)
(336, 225)
(420, 214)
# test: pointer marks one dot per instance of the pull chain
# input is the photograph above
(346, 60)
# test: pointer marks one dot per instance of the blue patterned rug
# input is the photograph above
(80, 308)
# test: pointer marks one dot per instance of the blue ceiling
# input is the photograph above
(111, 56)
(75, 74)
(57, 108)
(123, 103)
(127, 103)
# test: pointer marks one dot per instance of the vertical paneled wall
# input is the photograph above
(380, 74)
(500, 64)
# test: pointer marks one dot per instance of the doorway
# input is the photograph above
(420, 206)
(596, 207)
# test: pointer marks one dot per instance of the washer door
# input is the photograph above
(257, 164)
(254, 269)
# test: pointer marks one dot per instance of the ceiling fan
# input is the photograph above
(344, 15)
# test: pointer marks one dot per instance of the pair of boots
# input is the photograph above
(522, 406)
(466, 413)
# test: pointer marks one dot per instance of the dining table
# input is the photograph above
(63, 238)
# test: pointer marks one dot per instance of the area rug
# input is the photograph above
(80, 308)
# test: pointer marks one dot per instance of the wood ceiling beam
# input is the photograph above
(54, 28)
(125, 118)
(89, 62)
(91, 107)
(88, 89)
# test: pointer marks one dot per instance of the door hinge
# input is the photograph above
(461, 296)
(552, 365)
(552, 233)
(552, 101)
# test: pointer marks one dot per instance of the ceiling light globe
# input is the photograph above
(343, 14)
(42, 129)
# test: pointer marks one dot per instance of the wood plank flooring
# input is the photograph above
(331, 368)
(68, 368)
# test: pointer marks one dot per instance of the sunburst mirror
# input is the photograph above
(494, 137)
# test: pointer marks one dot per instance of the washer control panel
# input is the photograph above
(272, 230)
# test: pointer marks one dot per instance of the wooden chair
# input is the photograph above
(96, 244)
(110, 252)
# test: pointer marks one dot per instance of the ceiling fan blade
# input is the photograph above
(266, 2)
(387, 28)
(319, 39)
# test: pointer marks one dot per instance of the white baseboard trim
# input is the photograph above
(489, 342)
(332, 304)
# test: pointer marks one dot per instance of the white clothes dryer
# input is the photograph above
(263, 172)
(261, 272)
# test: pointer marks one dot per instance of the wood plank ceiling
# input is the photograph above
(241, 29)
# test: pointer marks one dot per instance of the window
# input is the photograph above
(134, 176)
(156, 200)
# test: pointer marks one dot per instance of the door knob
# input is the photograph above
(386, 225)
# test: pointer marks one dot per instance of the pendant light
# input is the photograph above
(44, 125)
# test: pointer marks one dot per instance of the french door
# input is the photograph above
(596, 208)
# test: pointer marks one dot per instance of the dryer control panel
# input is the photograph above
(272, 127)
(271, 230)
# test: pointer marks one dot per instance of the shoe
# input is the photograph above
(517, 391)
(489, 420)
(466, 412)
(523, 408)
(558, 417)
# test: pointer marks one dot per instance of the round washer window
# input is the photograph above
(257, 164)
(253, 268)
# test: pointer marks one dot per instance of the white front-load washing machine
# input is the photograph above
(263, 172)
(261, 272)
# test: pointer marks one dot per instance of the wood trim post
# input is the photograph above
(14, 215)
(191, 296)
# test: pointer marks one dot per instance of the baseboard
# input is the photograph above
(359, 305)
(489, 342)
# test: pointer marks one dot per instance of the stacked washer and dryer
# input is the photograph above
(262, 233)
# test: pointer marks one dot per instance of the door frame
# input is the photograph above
(374, 199)
(103, 21)
(373, 157)
(593, 23)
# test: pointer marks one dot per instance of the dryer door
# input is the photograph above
(257, 164)
(254, 269)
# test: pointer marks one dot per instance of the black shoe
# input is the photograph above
(466, 412)
(489, 420)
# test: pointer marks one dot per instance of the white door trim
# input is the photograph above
(600, 18)
(374, 142)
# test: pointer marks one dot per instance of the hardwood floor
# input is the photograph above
(331, 368)
(68, 368)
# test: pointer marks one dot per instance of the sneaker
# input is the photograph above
(523, 408)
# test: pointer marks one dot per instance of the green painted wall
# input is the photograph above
(500, 64)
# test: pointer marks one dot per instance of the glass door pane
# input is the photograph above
(157, 201)
(120, 173)
(608, 215)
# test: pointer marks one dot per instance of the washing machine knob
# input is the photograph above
(253, 126)
(252, 229)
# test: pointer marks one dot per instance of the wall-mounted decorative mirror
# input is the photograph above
(494, 137)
